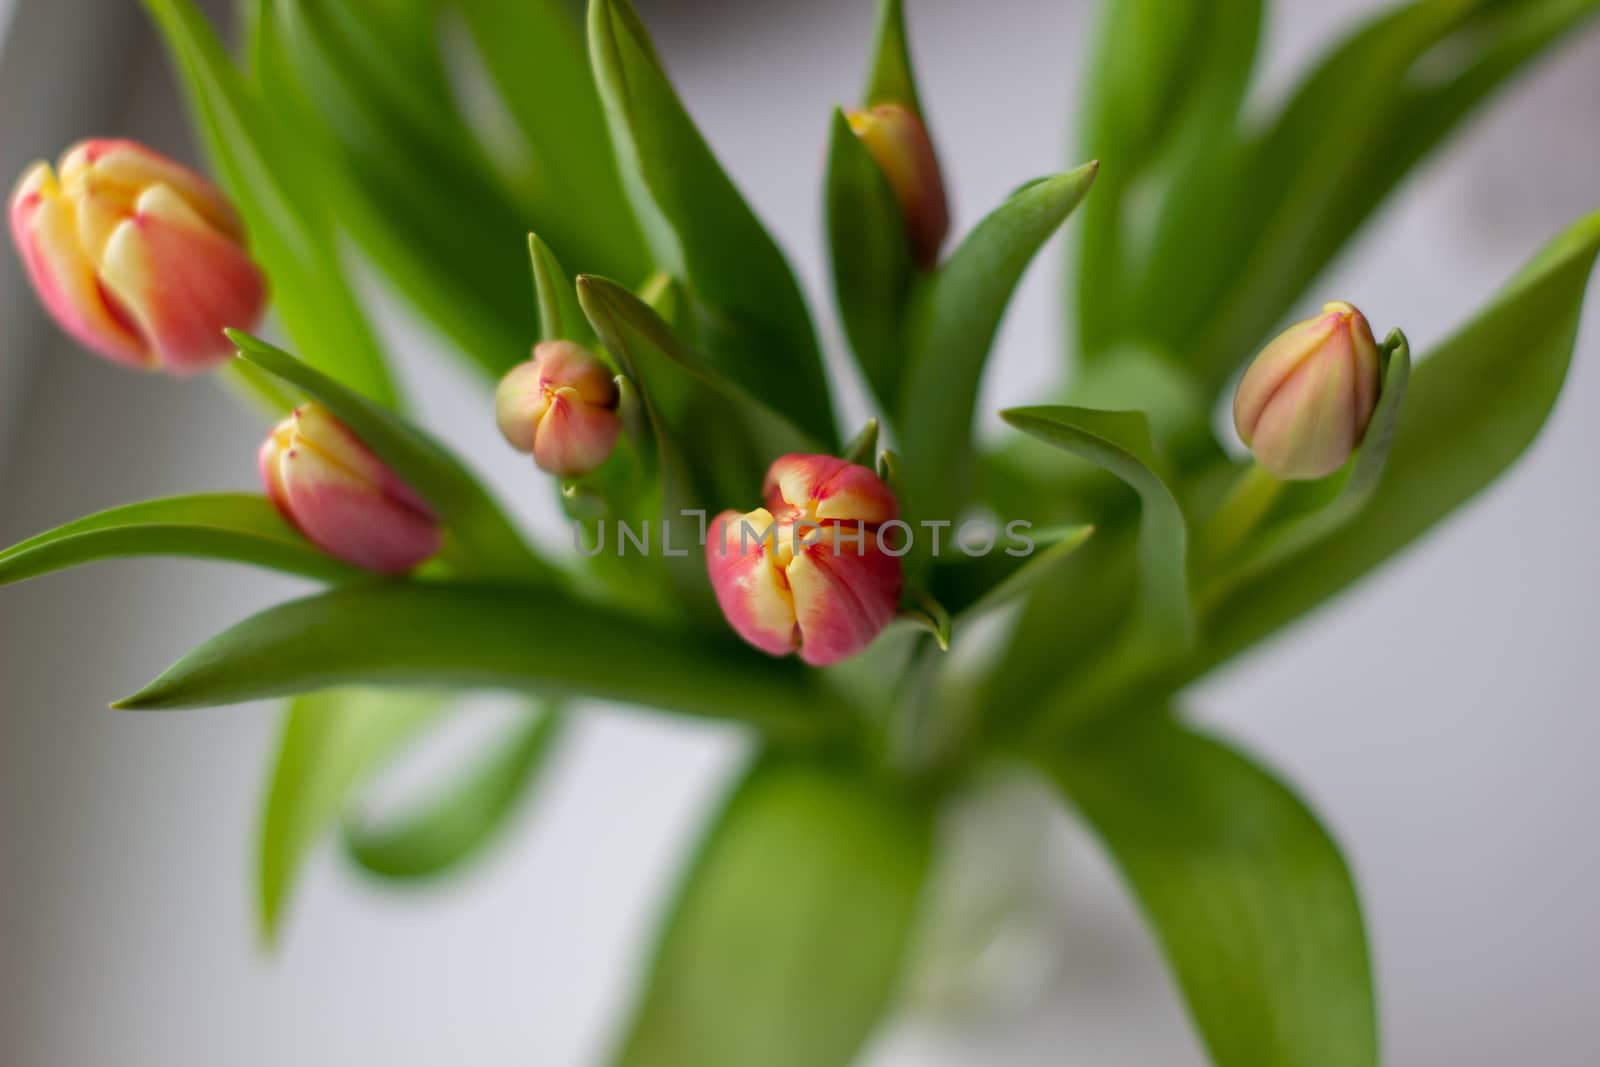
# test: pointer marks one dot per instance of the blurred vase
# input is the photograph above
(993, 938)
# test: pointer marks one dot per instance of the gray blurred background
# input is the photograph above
(1442, 719)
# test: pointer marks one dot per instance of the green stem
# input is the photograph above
(1248, 501)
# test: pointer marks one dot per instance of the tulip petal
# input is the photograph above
(129, 168)
(317, 426)
(898, 142)
(348, 518)
(842, 600)
(574, 438)
(44, 227)
(519, 403)
(1306, 430)
(752, 592)
(1270, 370)
(269, 461)
(566, 365)
(837, 489)
(182, 280)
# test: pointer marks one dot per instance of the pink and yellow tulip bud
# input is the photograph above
(139, 258)
(561, 406)
(1304, 404)
(342, 497)
(899, 142)
(811, 572)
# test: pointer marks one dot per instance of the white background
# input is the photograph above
(1442, 719)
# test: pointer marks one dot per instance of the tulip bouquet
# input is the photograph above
(894, 618)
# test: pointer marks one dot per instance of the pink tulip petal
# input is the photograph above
(565, 365)
(1271, 369)
(899, 143)
(842, 601)
(750, 589)
(834, 488)
(129, 168)
(574, 438)
(346, 518)
(182, 280)
(316, 426)
(269, 461)
(44, 227)
(520, 401)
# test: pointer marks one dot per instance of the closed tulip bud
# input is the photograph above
(342, 497)
(1304, 404)
(899, 142)
(139, 258)
(810, 572)
(561, 406)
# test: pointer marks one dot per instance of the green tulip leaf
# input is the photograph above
(787, 939)
(560, 317)
(291, 232)
(455, 827)
(533, 53)
(494, 547)
(448, 635)
(863, 448)
(1119, 442)
(1246, 893)
(642, 339)
(1237, 246)
(408, 178)
(331, 743)
(666, 390)
(1164, 86)
(974, 587)
(756, 327)
(892, 80)
(1473, 406)
(952, 327)
(237, 527)
(872, 264)
(926, 613)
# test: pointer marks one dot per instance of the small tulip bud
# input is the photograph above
(562, 407)
(899, 143)
(342, 497)
(810, 571)
(139, 258)
(1304, 404)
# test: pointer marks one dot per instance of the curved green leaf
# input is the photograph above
(493, 544)
(331, 741)
(240, 527)
(972, 588)
(291, 232)
(1245, 892)
(1236, 247)
(409, 179)
(1120, 443)
(1165, 86)
(533, 51)
(449, 635)
(892, 80)
(560, 317)
(641, 338)
(952, 328)
(872, 265)
(863, 448)
(787, 938)
(1474, 405)
(456, 826)
(756, 329)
